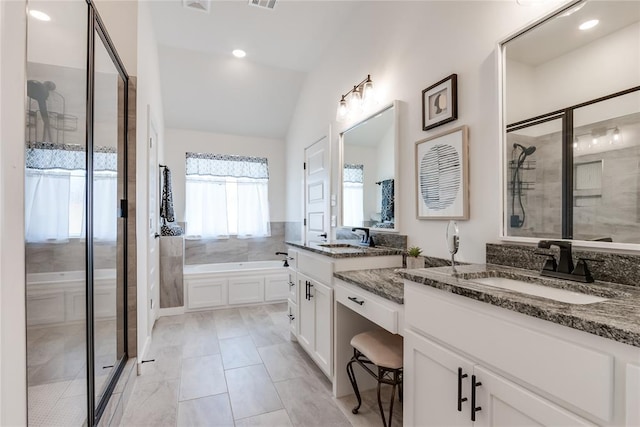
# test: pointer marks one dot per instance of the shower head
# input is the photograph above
(527, 151)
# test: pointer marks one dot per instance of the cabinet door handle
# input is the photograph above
(460, 398)
(474, 408)
(291, 284)
(306, 291)
(354, 299)
(291, 317)
(310, 286)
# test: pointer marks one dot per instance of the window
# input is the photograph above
(227, 195)
(55, 192)
(353, 194)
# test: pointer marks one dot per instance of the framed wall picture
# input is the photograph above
(442, 175)
(440, 103)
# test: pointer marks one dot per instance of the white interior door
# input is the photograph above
(153, 256)
(317, 158)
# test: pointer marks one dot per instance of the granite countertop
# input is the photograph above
(346, 249)
(617, 318)
(384, 282)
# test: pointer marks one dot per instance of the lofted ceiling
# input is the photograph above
(205, 88)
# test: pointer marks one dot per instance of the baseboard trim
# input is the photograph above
(171, 311)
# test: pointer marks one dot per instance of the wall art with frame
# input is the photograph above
(440, 103)
(442, 175)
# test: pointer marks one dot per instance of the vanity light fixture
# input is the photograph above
(356, 99)
(239, 53)
(616, 134)
(41, 16)
(588, 24)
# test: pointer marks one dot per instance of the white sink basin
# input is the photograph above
(561, 295)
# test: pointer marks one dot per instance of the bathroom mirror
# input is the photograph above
(369, 171)
(571, 123)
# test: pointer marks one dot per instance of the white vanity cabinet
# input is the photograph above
(530, 372)
(316, 315)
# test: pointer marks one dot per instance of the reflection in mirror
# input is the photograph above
(368, 175)
(55, 177)
(572, 145)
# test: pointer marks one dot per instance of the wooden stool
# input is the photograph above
(383, 350)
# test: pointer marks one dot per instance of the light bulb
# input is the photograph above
(343, 110)
(355, 102)
(575, 145)
(594, 141)
(368, 92)
(616, 135)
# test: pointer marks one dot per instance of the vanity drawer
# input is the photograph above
(368, 305)
(579, 375)
(315, 266)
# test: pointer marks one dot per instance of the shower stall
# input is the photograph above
(75, 214)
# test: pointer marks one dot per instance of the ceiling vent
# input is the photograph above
(266, 4)
(200, 5)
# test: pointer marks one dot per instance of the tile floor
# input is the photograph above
(237, 367)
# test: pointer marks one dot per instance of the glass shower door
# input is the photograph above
(109, 152)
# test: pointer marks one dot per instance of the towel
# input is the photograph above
(166, 206)
(386, 211)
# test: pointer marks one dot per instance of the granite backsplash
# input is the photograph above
(605, 266)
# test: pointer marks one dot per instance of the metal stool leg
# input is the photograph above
(354, 384)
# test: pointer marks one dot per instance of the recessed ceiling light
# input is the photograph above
(239, 53)
(573, 9)
(39, 15)
(589, 24)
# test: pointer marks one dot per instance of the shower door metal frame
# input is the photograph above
(566, 115)
(97, 30)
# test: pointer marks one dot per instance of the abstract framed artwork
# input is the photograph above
(442, 175)
(440, 103)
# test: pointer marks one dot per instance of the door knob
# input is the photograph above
(156, 235)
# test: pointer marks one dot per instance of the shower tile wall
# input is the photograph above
(207, 251)
(615, 214)
(68, 256)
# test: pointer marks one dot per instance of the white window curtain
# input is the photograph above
(353, 194)
(55, 193)
(227, 195)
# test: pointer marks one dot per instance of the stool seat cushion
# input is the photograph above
(381, 347)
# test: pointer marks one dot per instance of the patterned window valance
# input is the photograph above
(227, 165)
(47, 155)
(353, 173)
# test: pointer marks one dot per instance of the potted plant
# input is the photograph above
(414, 260)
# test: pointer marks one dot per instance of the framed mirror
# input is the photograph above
(368, 176)
(570, 114)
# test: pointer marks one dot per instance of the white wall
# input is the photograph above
(179, 141)
(149, 108)
(13, 358)
(406, 47)
(121, 19)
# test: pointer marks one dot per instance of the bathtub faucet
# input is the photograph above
(286, 258)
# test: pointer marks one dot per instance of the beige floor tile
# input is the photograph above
(206, 411)
(238, 352)
(283, 362)
(265, 335)
(272, 419)
(309, 404)
(251, 391)
(166, 365)
(200, 344)
(152, 404)
(202, 376)
(369, 413)
(229, 324)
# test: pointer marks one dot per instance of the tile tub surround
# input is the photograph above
(209, 251)
(351, 252)
(384, 282)
(171, 271)
(615, 268)
(617, 318)
(293, 231)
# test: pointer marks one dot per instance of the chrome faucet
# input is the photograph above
(366, 240)
(565, 268)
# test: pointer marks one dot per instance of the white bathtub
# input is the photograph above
(60, 297)
(237, 283)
